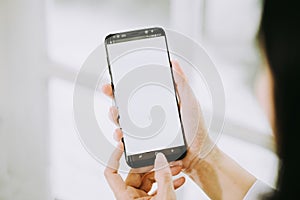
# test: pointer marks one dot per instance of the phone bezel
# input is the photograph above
(147, 158)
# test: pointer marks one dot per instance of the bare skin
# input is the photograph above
(138, 185)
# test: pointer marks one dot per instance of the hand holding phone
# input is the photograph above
(138, 185)
(196, 133)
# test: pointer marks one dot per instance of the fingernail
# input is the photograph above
(160, 160)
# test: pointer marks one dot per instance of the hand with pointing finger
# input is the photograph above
(137, 185)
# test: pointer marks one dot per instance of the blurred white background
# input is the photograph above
(42, 46)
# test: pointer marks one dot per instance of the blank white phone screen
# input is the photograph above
(145, 95)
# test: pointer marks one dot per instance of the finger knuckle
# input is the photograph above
(106, 172)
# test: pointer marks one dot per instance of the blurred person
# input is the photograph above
(219, 176)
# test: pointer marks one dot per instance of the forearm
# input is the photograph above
(220, 176)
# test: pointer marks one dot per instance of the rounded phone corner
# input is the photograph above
(182, 155)
(108, 36)
(161, 30)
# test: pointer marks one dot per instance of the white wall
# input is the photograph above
(23, 101)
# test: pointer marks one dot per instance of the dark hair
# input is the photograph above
(280, 36)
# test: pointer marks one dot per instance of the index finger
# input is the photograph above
(114, 179)
(163, 177)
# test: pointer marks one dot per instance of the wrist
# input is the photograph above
(200, 162)
(207, 152)
(219, 176)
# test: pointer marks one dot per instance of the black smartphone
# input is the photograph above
(145, 93)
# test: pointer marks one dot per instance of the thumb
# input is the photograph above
(163, 177)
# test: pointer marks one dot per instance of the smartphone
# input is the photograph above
(145, 94)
